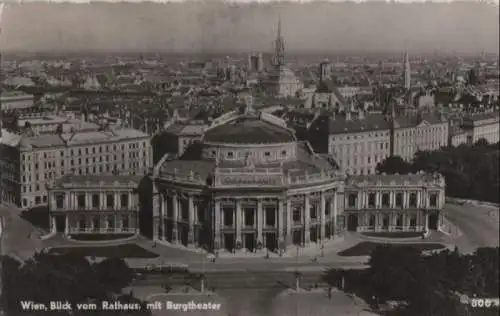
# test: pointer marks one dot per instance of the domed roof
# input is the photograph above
(249, 130)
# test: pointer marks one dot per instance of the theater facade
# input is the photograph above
(250, 185)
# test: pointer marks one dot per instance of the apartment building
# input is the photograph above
(37, 160)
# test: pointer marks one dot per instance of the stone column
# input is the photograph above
(88, 201)
(307, 220)
(392, 199)
(217, 224)
(53, 226)
(334, 211)
(260, 221)
(175, 217)
(102, 203)
(426, 219)
(419, 199)
(67, 201)
(117, 201)
(289, 221)
(163, 215)
(66, 225)
(322, 218)
(156, 214)
(238, 224)
(281, 230)
(191, 241)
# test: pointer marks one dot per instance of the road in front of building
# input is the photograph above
(18, 235)
(479, 226)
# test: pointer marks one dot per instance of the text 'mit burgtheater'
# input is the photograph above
(250, 185)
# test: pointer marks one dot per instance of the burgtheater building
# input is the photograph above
(250, 185)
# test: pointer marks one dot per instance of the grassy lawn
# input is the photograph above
(393, 234)
(97, 237)
(365, 248)
(119, 251)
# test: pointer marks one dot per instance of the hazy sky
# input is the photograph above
(220, 27)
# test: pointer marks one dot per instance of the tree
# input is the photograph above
(114, 273)
(51, 277)
(394, 164)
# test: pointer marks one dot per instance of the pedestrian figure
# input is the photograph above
(154, 244)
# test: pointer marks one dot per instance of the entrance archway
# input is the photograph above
(250, 242)
(271, 241)
(352, 222)
(60, 223)
(433, 221)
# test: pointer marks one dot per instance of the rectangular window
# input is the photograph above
(228, 216)
(249, 216)
(110, 201)
(81, 201)
(371, 199)
(95, 201)
(270, 216)
(124, 201)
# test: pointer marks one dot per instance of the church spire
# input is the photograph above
(279, 46)
(407, 71)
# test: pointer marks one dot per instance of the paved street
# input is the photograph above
(19, 237)
(479, 226)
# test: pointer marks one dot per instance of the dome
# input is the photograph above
(249, 130)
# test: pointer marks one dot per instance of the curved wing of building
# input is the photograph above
(243, 185)
(249, 185)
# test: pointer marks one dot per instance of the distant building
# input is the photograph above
(359, 142)
(36, 160)
(13, 101)
(177, 137)
(394, 202)
(483, 125)
(94, 205)
(281, 82)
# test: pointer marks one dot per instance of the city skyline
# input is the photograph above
(337, 27)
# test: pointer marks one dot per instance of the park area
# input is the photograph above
(119, 251)
(366, 248)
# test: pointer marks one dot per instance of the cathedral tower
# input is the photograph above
(279, 48)
(407, 72)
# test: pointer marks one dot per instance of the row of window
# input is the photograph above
(372, 198)
(372, 222)
(95, 223)
(109, 201)
(406, 133)
(267, 154)
(135, 166)
(88, 150)
(363, 147)
(360, 136)
(39, 200)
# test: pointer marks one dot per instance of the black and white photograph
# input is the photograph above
(249, 158)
